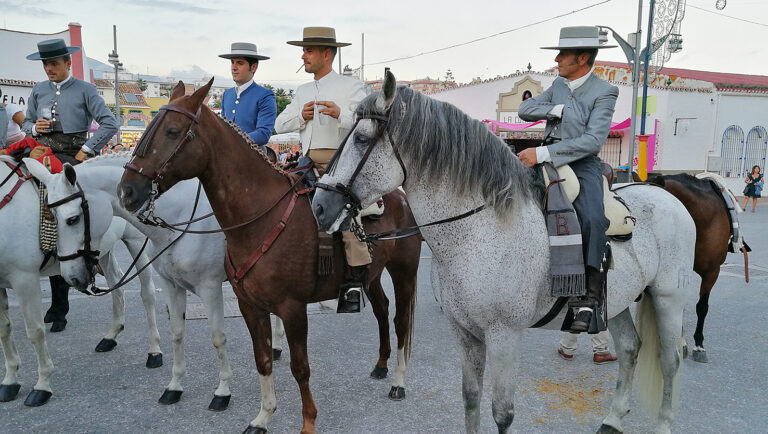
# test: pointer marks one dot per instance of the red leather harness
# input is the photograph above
(22, 179)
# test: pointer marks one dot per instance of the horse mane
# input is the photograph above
(124, 154)
(438, 138)
(249, 141)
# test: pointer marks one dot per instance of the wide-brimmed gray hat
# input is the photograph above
(579, 37)
(319, 37)
(243, 49)
(51, 49)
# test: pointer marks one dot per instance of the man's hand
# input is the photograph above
(528, 157)
(331, 109)
(308, 112)
(81, 156)
(38, 152)
(43, 126)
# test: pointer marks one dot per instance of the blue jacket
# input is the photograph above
(254, 112)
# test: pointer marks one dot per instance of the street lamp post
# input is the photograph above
(113, 59)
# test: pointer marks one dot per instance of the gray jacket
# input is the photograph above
(77, 106)
(586, 118)
(3, 125)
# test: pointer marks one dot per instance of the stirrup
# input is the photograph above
(350, 291)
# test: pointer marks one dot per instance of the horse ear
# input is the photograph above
(389, 89)
(70, 174)
(178, 91)
(38, 170)
(200, 94)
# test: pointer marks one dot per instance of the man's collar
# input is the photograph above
(240, 89)
(327, 77)
(62, 82)
(575, 84)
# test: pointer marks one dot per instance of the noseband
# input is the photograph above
(352, 202)
(90, 256)
(157, 176)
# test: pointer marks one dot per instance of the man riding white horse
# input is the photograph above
(578, 108)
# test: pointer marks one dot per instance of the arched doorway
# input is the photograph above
(755, 149)
(732, 152)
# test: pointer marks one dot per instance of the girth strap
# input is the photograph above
(236, 277)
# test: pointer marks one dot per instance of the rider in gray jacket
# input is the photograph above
(578, 108)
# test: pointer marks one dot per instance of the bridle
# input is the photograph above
(352, 202)
(156, 176)
(90, 256)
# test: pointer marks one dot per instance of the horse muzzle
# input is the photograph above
(331, 211)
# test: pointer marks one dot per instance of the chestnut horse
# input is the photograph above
(705, 203)
(262, 210)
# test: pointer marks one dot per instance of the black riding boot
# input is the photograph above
(350, 292)
(591, 304)
(57, 313)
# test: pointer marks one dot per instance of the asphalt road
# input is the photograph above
(114, 392)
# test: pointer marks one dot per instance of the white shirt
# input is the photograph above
(241, 89)
(13, 127)
(323, 132)
(542, 153)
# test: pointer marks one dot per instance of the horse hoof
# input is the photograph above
(219, 403)
(154, 360)
(170, 397)
(9, 392)
(276, 354)
(254, 430)
(607, 429)
(397, 393)
(379, 373)
(685, 352)
(36, 398)
(58, 326)
(699, 356)
(106, 345)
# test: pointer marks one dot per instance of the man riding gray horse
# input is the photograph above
(578, 108)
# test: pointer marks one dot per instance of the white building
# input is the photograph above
(698, 120)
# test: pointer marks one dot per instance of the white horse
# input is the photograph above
(21, 259)
(493, 266)
(194, 263)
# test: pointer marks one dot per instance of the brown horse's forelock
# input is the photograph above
(438, 138)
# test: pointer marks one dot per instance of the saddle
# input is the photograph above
(616, 211)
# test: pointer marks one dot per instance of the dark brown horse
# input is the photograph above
(187, 141)
(706, 205)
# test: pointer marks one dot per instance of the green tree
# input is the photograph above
(142, 84)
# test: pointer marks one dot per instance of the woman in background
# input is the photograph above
(754, 187)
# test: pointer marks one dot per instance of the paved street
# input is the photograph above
(114, 392)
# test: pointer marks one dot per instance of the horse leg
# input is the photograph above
(669, 314)
(503, 359)
(380, 306)
(278, 331)
(214, 306)
(404, 281)
(155, 354)
(627, 344)
(699, 354)
(30, 297)
(296, 331)
(259, 327)
(112, 273)
(472, 368)
(9, 388)
(177, 307)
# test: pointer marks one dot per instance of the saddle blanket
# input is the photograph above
(616, 211)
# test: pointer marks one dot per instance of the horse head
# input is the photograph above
(80, 223)
(366, 166)
(169, 151)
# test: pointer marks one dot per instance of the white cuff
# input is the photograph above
(557, 111)
(34, 130)
(87, 150)
(542, 154)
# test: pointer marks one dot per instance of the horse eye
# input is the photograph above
(359, 138)
(172, 133)
(73, 220)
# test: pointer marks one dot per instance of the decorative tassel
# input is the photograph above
(568, 285)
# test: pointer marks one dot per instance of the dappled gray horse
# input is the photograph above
(492, 267)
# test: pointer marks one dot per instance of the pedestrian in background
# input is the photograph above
(754, 187)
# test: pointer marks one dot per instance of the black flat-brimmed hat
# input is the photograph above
(51, 49)
(319, 37)
(243, 49)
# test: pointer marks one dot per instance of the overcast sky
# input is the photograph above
(163, 36)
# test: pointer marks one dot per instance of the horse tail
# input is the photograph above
(408, 344)
(650, 380)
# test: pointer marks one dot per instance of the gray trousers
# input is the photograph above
(590, 209)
